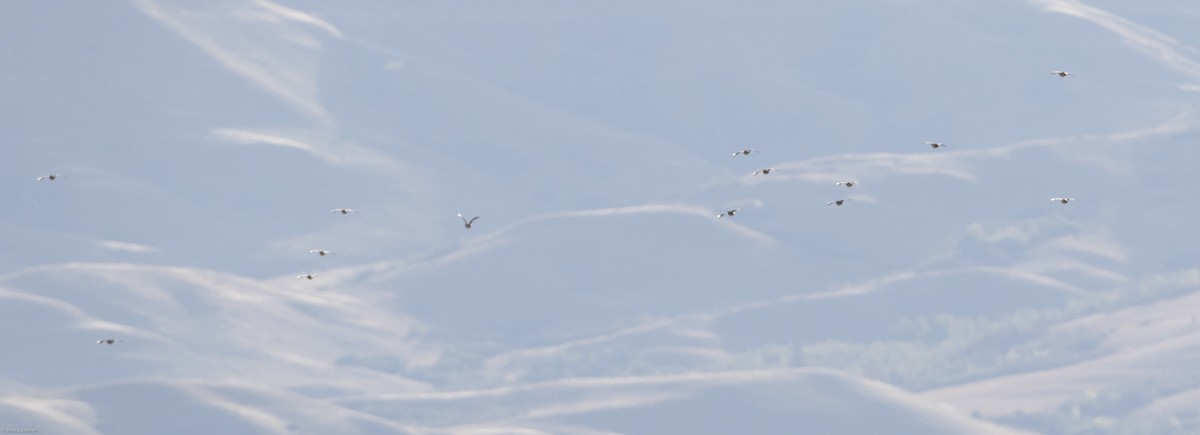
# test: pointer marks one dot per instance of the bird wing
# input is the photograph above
(472, 220)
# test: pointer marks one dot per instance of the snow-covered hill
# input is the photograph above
(202, 145)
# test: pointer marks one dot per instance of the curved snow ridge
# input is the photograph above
(241, 319)
(500, 365)
(48, 414)
(1155, 44)
(266, 409)
(498, 237)
(837, 397)
(955, 163)
(639, 209)
(322, 145)
(266, 43)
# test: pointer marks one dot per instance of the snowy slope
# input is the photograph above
(202, 145)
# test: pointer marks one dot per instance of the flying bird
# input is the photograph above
(837, 203)
(936, 145)
(107, 341)
(50, 177)
(1062, 200)
(744, 152)
(307, 276)
(320, 252)
(764, 171)
(467, 223)
(729, 213)
(342, 210)
(1063, 74)
(847, 183)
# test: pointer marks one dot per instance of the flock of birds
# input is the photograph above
(848, 184)
(322, 252)
(767, 171)
(468, 223)
(852, 183)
